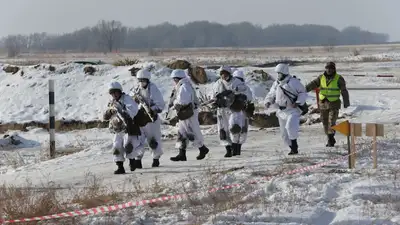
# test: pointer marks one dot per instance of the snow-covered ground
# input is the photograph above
(326, 195)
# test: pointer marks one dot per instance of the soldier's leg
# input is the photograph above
(236, 122)
(198, 138)
(333, 115)
(324, 116)
(134, 146)
(118, 152)
(282, 128)
(244, 132)
(181, 142)
(223, 127)
(154, 140)
(292, 129)
(144, 133)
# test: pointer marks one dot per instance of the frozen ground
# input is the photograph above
(237, 56)
(327, 195)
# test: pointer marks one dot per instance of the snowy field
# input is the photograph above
(82, 175)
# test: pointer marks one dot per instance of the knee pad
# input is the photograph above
(222, 134)
(115, 151)
(190, 137)
(129, 148)
(153, 144)
(235, 129)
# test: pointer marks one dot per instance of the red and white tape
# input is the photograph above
(379, 75)
(105, 209)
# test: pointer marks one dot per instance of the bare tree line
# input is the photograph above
(108, 36)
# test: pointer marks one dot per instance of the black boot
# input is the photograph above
(180, 157)
(239, 149)
(132, 164)
(121, 169)
(294, 148)
(156, 163)
(235, 149)
(203, 152)
(331, 140)
(138, 164)
(228, 151)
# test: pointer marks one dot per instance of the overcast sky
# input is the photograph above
(58, 16)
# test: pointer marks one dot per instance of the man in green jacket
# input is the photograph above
(331, 86)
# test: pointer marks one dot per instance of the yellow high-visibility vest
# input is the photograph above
(330, 91)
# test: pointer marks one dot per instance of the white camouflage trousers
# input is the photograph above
(152, 134)
(189, 130)
(289, 124)
(232, 126)
(126, 146)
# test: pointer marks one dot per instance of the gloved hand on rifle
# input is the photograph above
(250, 108)
(136, 99)
(221, 98)
(109, 113)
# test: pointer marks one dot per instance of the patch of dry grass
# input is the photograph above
(126, 62)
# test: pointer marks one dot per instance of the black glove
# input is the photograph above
(220, 103)
(250, 108)
(178, 107)
(224, 93)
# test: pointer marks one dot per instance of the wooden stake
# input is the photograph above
(353, 147)
(349, 150)
(374, 147)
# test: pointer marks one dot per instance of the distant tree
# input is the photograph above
(111, 34)
(14, 44)
(107, 36)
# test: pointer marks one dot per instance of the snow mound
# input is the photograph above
(81, 96)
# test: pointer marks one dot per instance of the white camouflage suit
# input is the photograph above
(288, 114)
(189, 129)
(226, 119)
(152, 131)
(236, 116)
(122, 140)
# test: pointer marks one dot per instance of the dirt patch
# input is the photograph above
(61, 125)
(179, 64)
(89, 70)
(11, 69)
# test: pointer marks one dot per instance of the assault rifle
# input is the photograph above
(143, 103)
(226, 96)
(170, 104)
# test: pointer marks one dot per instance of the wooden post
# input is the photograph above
(349, 150)
(353, 146)
(374, 154)
(374, 130)
(52, 122)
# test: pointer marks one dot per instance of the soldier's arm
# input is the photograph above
(215, 89)
(131, 107)
(270, 98)
(301, 92)
(344, 91)
(313, 84)
(157, 100)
